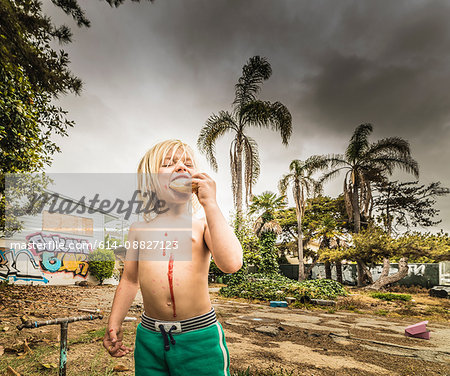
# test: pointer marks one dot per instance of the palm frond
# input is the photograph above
(330, 175)
(281, 120)
(216, 126)
(284, 183)
(265, 114)
(267, 202)
(271, 226)
(296, 167)
(396, 145)
(255, 71)
(405, 163)
(334, 160)
(359, 142)
(316, 163)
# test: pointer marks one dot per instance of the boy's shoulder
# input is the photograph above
(138, 224)
(143, 224)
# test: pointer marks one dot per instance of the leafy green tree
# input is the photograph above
(326, 221)
(365, 163)
(407, 204)
(267, 228)
(243, 228)
(20, 192)
(374, 244)
(247, 111)
(303, 186)
(28, 121)
(32, 75)
(101, 263)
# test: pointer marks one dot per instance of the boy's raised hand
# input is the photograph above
(205, 188)
(112, 341)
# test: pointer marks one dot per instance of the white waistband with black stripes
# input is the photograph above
(194, 323)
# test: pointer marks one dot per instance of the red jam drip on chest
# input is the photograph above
(170, 277)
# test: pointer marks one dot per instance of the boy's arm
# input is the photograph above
(221, 240)
(123, 298)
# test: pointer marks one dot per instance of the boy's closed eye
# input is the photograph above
(167, 164)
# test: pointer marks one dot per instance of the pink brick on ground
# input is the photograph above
(424, 335)
(420, 327)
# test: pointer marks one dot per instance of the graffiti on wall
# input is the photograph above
(61, 254)
(421, 274)
(20, 265)
(43, 254)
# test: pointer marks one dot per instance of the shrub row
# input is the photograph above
(277, 287)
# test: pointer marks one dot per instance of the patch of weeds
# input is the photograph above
(331, 310)
(97, 363)
(351, 303)
(408, 289)
(388, 296)
(408, 310)
(89, 336)
(28, 364)
(301, 305)
(438, 311)
(381, 312)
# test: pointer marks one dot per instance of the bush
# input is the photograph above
(389, 296)
(101, 264)
(277, 287)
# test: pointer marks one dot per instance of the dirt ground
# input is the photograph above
(360, 336)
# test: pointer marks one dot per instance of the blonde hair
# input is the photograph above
(148, 169)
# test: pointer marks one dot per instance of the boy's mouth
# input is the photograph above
(181, 176)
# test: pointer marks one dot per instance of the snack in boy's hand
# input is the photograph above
(183, 185)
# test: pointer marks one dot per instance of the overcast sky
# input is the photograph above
(154, 71)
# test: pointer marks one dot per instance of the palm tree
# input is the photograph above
(266, 227)
(364, 164)
(247, 111)
(303, 187)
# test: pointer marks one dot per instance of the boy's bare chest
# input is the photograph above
(161, 241)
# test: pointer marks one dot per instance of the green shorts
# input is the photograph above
(199, 352)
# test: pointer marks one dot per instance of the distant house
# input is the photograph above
(52, 248)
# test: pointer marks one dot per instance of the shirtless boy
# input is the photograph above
(179, 333)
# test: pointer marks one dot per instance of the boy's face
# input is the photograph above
(179, 165)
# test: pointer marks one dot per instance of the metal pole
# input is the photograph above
(63, 350)
(64, 322)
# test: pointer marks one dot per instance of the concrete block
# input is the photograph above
(440, 291)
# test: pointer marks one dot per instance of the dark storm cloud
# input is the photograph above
(399, 83)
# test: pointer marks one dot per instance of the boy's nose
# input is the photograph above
(181, 167)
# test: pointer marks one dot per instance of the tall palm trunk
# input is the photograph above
(339, 271)
(239, 184)
(357, 228)
(301, 267)
(355, 206)
(298, 197)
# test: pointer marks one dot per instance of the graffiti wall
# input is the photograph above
(45, 258)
